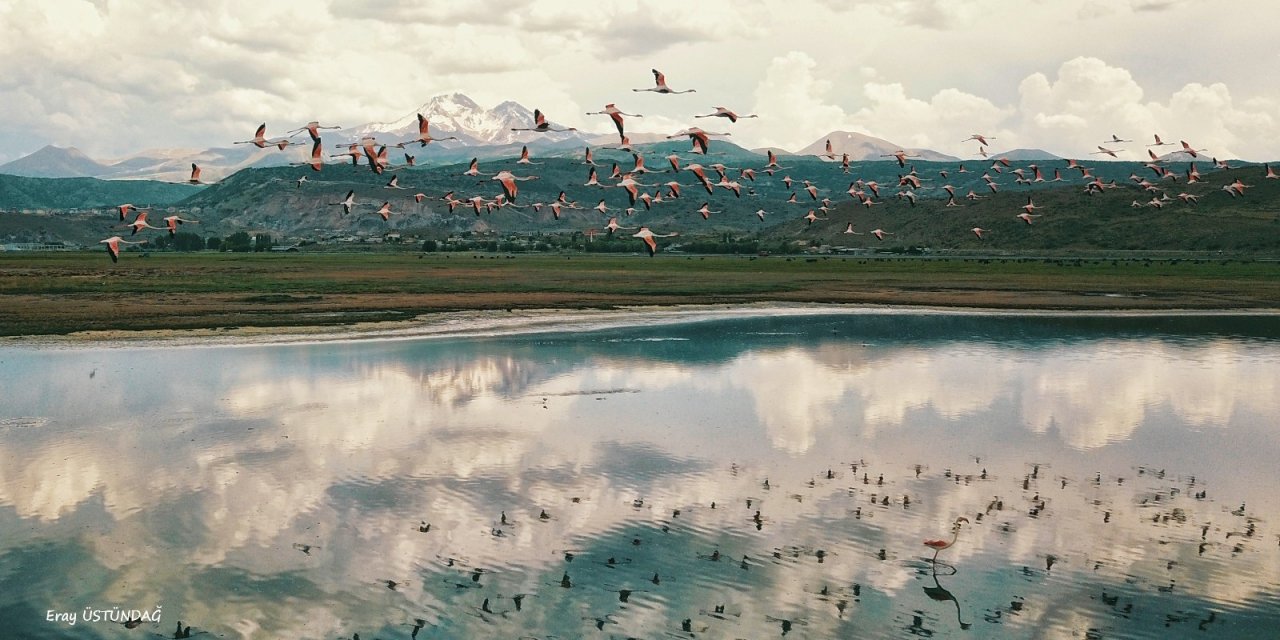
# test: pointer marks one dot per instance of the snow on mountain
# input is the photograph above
(458, 115)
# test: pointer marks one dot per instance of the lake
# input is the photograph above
(751, 473)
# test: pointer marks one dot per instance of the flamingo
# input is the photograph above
(195, 174)
(1159, 142)
(172, 222)
(313, 128)
(613, 226)
(880, 233)
(977, 231)
(139, 223)
(1186, 147)
(722, 112)
(259, 139)
(113, 246)
(1029, 206)
(982, 140)
(592, 180)
(706, 212)
(773, 160)
(1271, 173)
(1115, 139)
(849, 230)
(939, 545)
(473, 169)
(524, 156)
(700, 139)
(424, 134)
(410, 160)
(385, 211)
(1026, 217)
(124, 210)
(353, 151)
(811, 217)
(812, 190)
(316, 160)
(540, 124)
(648, 236)
(394, 183)
(760, 213)
(615, 114)
(588, 157)
(660, 84)
(508, 181)
(1102, 149)
(419, 197)
(901, 156)
(347, 203)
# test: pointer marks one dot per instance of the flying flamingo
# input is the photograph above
(1159, 142)
(348, 202)
(722, 112)
(394, 183)
(1186, 147)
(385, 211)
(588, 157)
(613, 226)
(1271, 173)
(353, 151)
(172, 222)
(313, 128)
(939, 545)
(124, 210)
(524, 156)
(259, 138)
(540, 124)
(899, 155)
(982, 140)
(195, 174)
(1029, 206)
(977, 231)
(1115, 139)
(615, 114)
(508, 181)
(660, 82)
(880, 233)
(706, 212)
(113, 246)
(773, 160)
(424, 134)
(700, 139)
(1105, 150)
(811, 217)
(139, 223)
(849, 230)
(474, 169)
(760, 213)
(316, 160)
(1026, 217)
(648, 236)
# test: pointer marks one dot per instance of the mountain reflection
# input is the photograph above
(272, 490)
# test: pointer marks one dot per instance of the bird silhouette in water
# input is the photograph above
(940, 594)
(424, 527)
(305, 548)
(565, 582)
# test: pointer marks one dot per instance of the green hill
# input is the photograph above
(17, 192)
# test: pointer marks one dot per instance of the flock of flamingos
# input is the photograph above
(864, 192)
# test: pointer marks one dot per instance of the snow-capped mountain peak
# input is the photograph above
(455, 114)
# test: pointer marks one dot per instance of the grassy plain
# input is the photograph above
(59, 293)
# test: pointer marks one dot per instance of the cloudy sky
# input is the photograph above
(115, 77)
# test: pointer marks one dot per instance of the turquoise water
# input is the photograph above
(285, 490)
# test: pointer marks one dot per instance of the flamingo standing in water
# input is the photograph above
(722, 112)
(660, 84)
(113, 246)
(648, 236)
(939, 545)
(615, 114)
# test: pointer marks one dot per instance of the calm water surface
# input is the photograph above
(726, 478)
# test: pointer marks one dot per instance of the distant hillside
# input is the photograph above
(54, 162)
(17, 192)
(1024, 155)
(861, 146)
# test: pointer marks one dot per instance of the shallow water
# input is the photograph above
(273, 490)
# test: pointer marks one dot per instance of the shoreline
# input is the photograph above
(486, 323)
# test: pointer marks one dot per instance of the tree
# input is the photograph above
(430, 246)
(214, 243)
(262, 242)
(238, 242)
(185, 241)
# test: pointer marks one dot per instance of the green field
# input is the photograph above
(57, 293)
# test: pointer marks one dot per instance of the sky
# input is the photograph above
(113, 78)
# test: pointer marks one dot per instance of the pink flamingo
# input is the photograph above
(424, 134)
(347, 203)
(172, 222)
(473, 169)
(524, 156)
(139, 223)
(113, 246)
(1026, 217)
(982, 140)
(508, 181)
(124, 210)
(648, 236)
(978, 231)
(540, 124)
(313, 128)
(939, 545)
(660, 84)
(1186, 147)
(705, 211)
(385, 211)
(880, 234)
(1159, 142)
(722, 112)
(615, 114)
